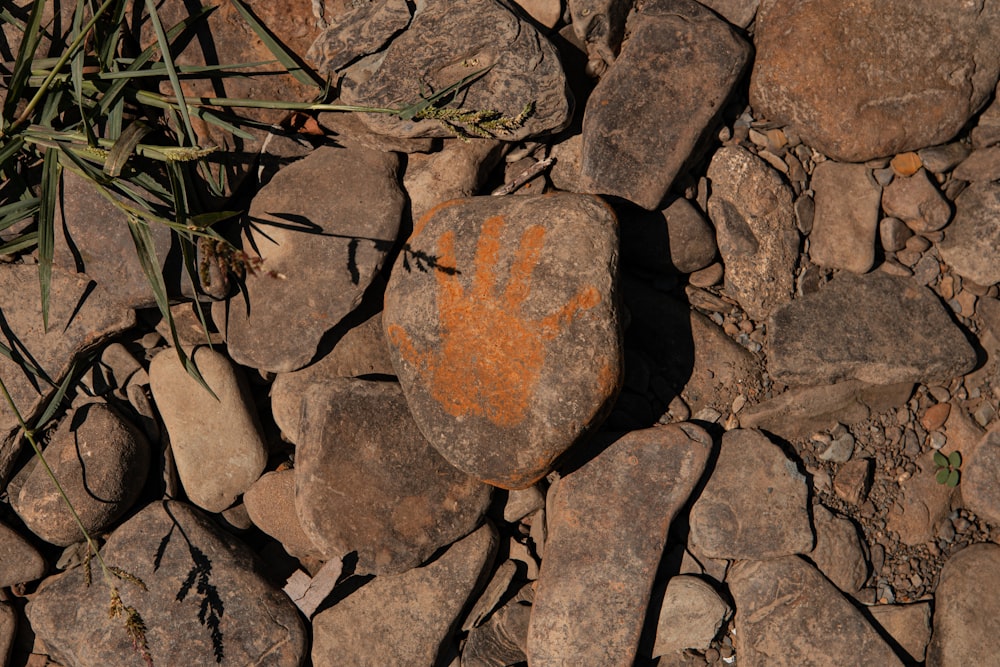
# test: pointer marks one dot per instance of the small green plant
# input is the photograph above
(948, 468)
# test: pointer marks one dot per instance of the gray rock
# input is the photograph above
(80, 319)
(100, 460)
(690, 615)
(944, 158)
(270, 504)
(755, 504)
(662, 94)
(459, 169)
(846, 218)
(909, 625)
(205, 600)
(877, 328)
(882, 95)
(787, 613)
(916, 201)
(839, 450)
(971, 243)
(981, 477)
(404, 619)
(446, 43)
(600, 26)
(503, 328)
(839, 553)
(20, 561)
(360, 32)
(216, 444)
(982, 165)
(590, 603)
(965, 608)
(323, 225)
(367, 481)
(754, 220)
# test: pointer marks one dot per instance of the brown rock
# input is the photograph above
(507, 347)
(908, 624)
(457, 170)
(916, 201)
(853, 481)
(980, 480)
(965, 608)
(846, 218)
(591, 603)
(600, 26)
(20, 561)
(690, 616)
(676, 239)
(935, 416)
(358, 33)
(270, 504)
(972, 243)
(983, 164)
(921, 505)
(839, 553)
(738, 12)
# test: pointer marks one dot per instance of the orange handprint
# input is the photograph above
(491, 355)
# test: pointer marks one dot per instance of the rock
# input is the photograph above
(521, 503)
(839, 450)
(690, 616)
(677, 239)
(361, 351)
(270, 503)
(839, 553)
(738, 12)
(909, 625)
(682, 62)
(755, 504)
(367, 481)
(921, 505)
(324, 227)
(545, 12)
(935, 416)
(981, 477)
(965, 611)
(80, 319)
(20, 561)
(916, 201)
(754, 220)
(404, 619)
(458, 170)
(983, 164)
(801, 411)
(987, 129)
(205, 600)
(877, 328)
(8, 631)
(216, 444)
(847, 213)
(787, 613)
(501, 640)
(971, 242)
(446, 43)
(882, 95)
(507, 357)
(853, 481)
(358, 33)
(600, 26)
(944, 158)
(590, 603)
(893, 234)
(100, 460)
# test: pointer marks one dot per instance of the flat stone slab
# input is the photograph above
(505, 341)
(608, 527)
(653, 105)
(366, 480)
(981, 478)
(755, 504)
(404, 619)
(971, 245)
(877, 328)
(206, 601)
(322, 228)
(787, 613)
(846, 218)
(966, 608)
(881, 95)
(446, 42)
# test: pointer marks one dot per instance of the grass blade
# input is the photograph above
(23, 63)
(295, 67)
(57, 398)
(46, 227)
(125, 147)
(23, 242)
(168, 63)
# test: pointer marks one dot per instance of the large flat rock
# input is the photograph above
(966, 608)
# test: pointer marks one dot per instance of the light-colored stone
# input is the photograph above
(918, 202)
(690, 615)
(846, 218)
(966, 608)
(971, 244)
(908, 624)
(839, 552)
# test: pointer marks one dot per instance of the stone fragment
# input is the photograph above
(983, 164)
(20, 561)
(445, 43)
(364, 30)
(893, 234)
(590, 603)
(600, 26)
(501, 640)
(324, 226)
(909, 625)
(754, 220)
(458, 170)
(882, 95)
(367, 481)
(404, 619)
(676, 239)
(787, 613)
(270, 503)
(681, 61)
(965, 608)
(216, 443)
(101, 462)
(853, 481)
(308, 593)
(935, 416)
(690, 615)
(981, 477)
(81, 319)
(546, 13)
(971, 245)
(507, 346)
(738, 12)
(921, 504)
(943, 158)
(521, 503)
(877, 328)
(916, 201)
(755, 504)
(847, 212)
(839, 553)
(205, 601)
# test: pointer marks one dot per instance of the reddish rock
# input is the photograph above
(980, 481)
(966, 608)
(916, 201)
(270, 504)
